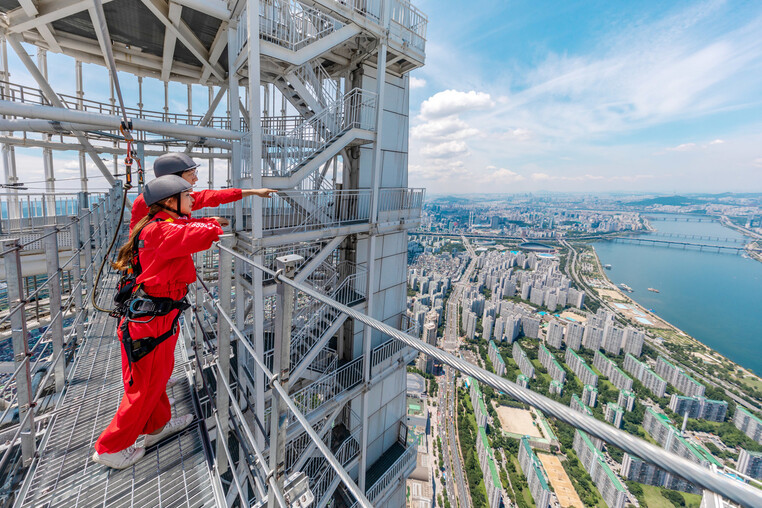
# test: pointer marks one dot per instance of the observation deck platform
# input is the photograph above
(176, 472)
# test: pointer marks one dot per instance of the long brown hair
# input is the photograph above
(124, 257)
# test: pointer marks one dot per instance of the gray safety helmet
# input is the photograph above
(173, 163)
(164, 187)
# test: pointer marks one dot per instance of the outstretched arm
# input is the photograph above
(262, 193)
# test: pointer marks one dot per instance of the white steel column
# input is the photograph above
(81, 106)
(112, 100)
(8, 155)
(255, 170)
(47, 153)
(371, 264)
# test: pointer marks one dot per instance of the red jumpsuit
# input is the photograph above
(202, 199)
(167, 269)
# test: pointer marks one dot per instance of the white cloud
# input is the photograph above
(452, 102)
(445, 150)
(519, 134)
(717, 142)
(683, 147)
(757, 162)
(450, 127)
(500, 176)
(417, 82)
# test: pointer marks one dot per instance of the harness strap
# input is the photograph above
(139, 348)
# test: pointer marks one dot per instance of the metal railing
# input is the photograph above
(402, 463)
(289, 408)
(314, 395)
(283, 156)
(316, 80)
(326, 209)
(30, 95)
(408, 25)
(88, 233)
(25, 212)
(286, 23)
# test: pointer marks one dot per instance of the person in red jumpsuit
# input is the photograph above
(166, 238)
(181, 164)
(178, 163)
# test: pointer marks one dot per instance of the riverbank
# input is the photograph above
(707, 364)
(754, 248)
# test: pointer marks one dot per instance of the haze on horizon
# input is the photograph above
(588, 96)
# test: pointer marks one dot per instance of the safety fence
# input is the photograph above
(67, 246)
(31, 95)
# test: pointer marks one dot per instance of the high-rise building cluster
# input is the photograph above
(535, 474)
(602, 332)
(699, 407)
(523, 361)
(431, 278)
(748, 423)
(579, 366)
(546, 285)
(483, 448)
(576, 404)
(660, 428)
(678, 378)
(638, 470)
(609, 368)
(671, 438)
(539, 281)
(548, 360)
(498, 364)
(645, 375)
(613, 492)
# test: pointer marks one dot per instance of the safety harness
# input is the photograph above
(133, 303)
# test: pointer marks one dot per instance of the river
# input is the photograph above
(716, 298)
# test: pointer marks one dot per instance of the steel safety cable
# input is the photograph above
(731, 489)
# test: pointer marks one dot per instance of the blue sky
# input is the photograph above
(589, 96)
(520, 96)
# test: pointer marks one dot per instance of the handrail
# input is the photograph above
(30, 95)
(675, 464)
(80, 231)
(356, 109)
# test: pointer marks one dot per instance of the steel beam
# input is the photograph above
(62, 114)
(184, 34)
(53, 98)
(27, 142)
(223, 350)
(47, 12)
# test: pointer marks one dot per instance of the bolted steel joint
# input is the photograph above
(287, 265)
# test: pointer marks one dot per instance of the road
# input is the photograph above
(457, 488)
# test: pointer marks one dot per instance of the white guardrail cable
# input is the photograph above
(729, 488)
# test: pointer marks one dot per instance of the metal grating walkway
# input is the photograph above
(175, 473)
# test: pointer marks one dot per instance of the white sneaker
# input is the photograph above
(173, 381)
(121, 459)
(173, 426)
